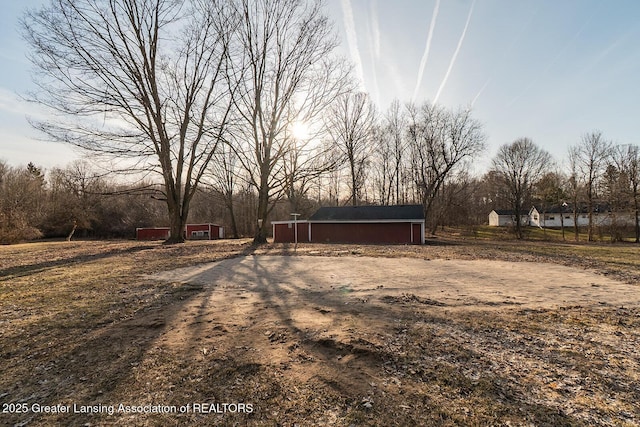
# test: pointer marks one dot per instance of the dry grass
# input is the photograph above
(80, 323)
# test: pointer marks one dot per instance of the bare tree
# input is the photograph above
(350, 123)
(615, 191)
(440, 141)
(632, 166)
(75, 197)
(225, 174)
(550, 194)
(491, 192)
(282, 71)
(575, 190)
(138, 81)
(520, 164)
(389, 165)
(627, 159)
(395, 126)
(334, 178)
(304, 164)
(382, 176)
(453, 204)
(590, 157)
(21, 199)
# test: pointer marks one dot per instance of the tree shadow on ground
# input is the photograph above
(298, 350)
(92, 363)
(35, 268)
(85, 363)
(343, 356)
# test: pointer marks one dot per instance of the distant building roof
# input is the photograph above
(508, 212)
(598, 207)
(368, 213)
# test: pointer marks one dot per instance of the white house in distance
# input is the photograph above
(560, 216)
(506, 218)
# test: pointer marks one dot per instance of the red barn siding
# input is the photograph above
(198, 232)
(417, 234)
(390, 233)
(282, 233)
(156, 233)
(203, 231)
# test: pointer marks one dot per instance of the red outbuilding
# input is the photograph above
(192, 232)
(205, 231)
(402, 224)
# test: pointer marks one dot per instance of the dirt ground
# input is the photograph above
(450, 334)
(303, 281)
(349, 322)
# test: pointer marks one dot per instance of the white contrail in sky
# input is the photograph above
(479, 93)
(455, 54)
(374, 51)
(505, 53)
(602, 55)
(561, 53)
(375, 29)
(352, 41)
(425, 55)
(558, 56)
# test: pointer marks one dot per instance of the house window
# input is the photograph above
(290, 225)
(535, 217)
(549, 217)
(567, 217)
(552, 218)
(194, 234)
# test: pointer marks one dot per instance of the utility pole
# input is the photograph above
(295, 230)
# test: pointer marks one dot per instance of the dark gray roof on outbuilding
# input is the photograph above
(599, 207)
(505, 212)
(368, 213)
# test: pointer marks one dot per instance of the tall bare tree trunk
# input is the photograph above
(232, 216)
(177, 224)
(263, 212)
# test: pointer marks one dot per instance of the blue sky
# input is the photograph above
(19, 142)
(550, 70)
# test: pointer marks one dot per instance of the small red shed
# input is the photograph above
(205, 231)
(192, 232)
(403, 224)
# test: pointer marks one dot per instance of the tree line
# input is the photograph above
(80, 201)
(599, 175)
(245, 104)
